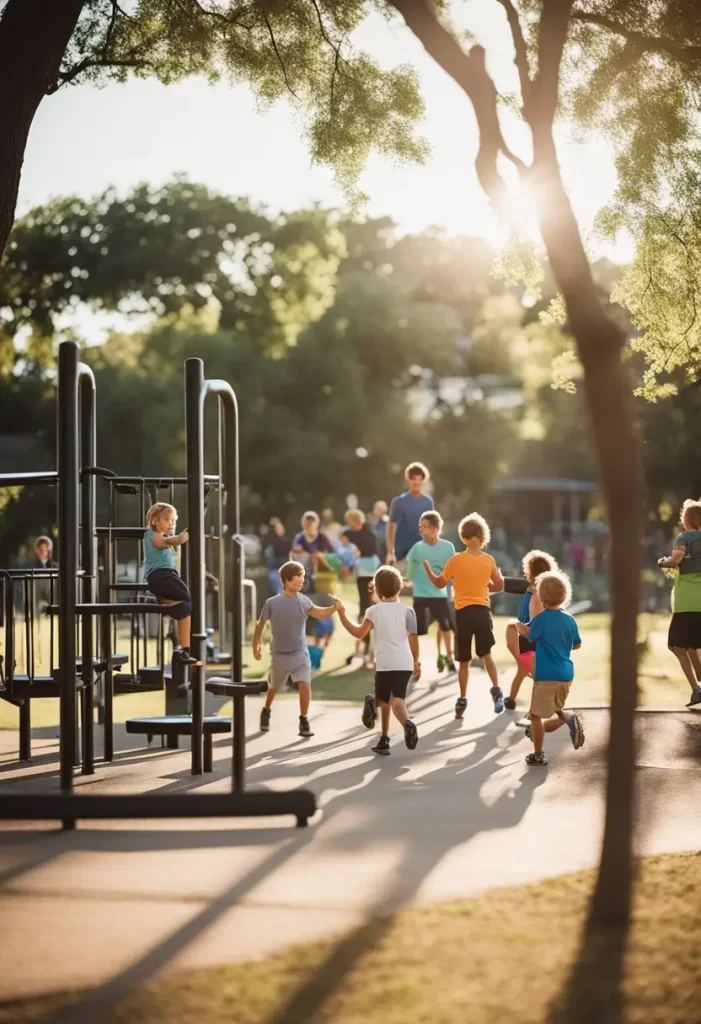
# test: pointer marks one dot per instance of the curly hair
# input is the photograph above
(475, 525)
(537, 562)
(554, 589)
(691, 514)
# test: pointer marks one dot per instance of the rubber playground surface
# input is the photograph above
(114, 904)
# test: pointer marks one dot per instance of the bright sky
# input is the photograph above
(85, 139)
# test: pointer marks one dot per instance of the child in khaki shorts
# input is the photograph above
(555, 635)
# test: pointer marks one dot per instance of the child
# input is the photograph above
(431, 603)
(367, 562)
(396, 656)
(287, 613)
(555, 635)
(475, 575)
(685, 628)
(404, 513)
(310, 546)
(520, 647)
(161, 576)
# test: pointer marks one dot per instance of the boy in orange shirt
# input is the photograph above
(475, 575)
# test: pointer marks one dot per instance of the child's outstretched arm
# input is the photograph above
(438, 581)
(359, 632)
(315, 612)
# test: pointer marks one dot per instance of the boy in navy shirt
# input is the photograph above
(555, 635)
(404, 514)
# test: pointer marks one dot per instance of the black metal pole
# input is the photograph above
(68, 551)
(194, 399)
(239, 741)
(88, 559)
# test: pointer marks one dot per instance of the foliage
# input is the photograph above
(300, 49)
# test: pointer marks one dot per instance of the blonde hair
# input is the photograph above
(691, 514)
(554, 589)
(475, 525)
(157, 510)
(537, 562)
(355, 515)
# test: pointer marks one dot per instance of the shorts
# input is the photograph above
(525, 645)
(166, 585)
(325, 627)
(548, 698)
(474, 620)
(391, 684)
(685, 630)
(432, 609)
(296, 666)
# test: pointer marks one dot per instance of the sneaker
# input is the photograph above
(182, 656)
(411, 735)
(695, 698)
(382, 745)
(509, 703)
(498, 698)
(369, 711)
(264, 719)
(441, 662)
(576, 727)
(536, 760)
(460, 706)
(450, 665)
(304, 729)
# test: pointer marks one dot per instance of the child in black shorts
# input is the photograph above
(161, 576)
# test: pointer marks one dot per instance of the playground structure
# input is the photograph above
(84, 585)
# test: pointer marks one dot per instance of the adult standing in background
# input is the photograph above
(380, 520)
(404, 513)
(43, 552)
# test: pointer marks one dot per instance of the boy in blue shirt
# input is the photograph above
(404, 514)
(431, 603)
(555, 635)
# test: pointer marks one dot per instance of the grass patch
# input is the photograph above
(513, 954)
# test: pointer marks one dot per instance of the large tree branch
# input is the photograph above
(470, 73)
(520, 48)
(642, 42)
(277, 54)
(552, 35)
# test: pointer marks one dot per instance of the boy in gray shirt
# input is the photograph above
(287, 614)
(396, 656)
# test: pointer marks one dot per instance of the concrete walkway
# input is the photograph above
(114, 904)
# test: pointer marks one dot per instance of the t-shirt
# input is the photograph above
(554, 633)
(471, 575)
(288, 618)
(690, 540)
(436, 555)
(277, 551)
(392, 622)
(406, 511)
(366, 543)
(379, 529)
(319, 544)
(157, 558)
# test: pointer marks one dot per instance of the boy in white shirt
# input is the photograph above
(396, 656)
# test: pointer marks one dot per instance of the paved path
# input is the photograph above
(113, 904)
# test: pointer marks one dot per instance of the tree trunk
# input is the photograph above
(34, 35)
(609, 399)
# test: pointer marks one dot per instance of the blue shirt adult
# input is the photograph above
(405, 511)
(554, 633)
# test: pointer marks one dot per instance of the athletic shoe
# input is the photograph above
(450, 665)
(369, 711)
(498, 698)
(264, 719)
(460, 706)
(537, 760)
(509, 703)
(382, 745)
(695, 698)
(304, 729)
(441, 662)
(182, 656)
(576, 727)
(411, 735)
